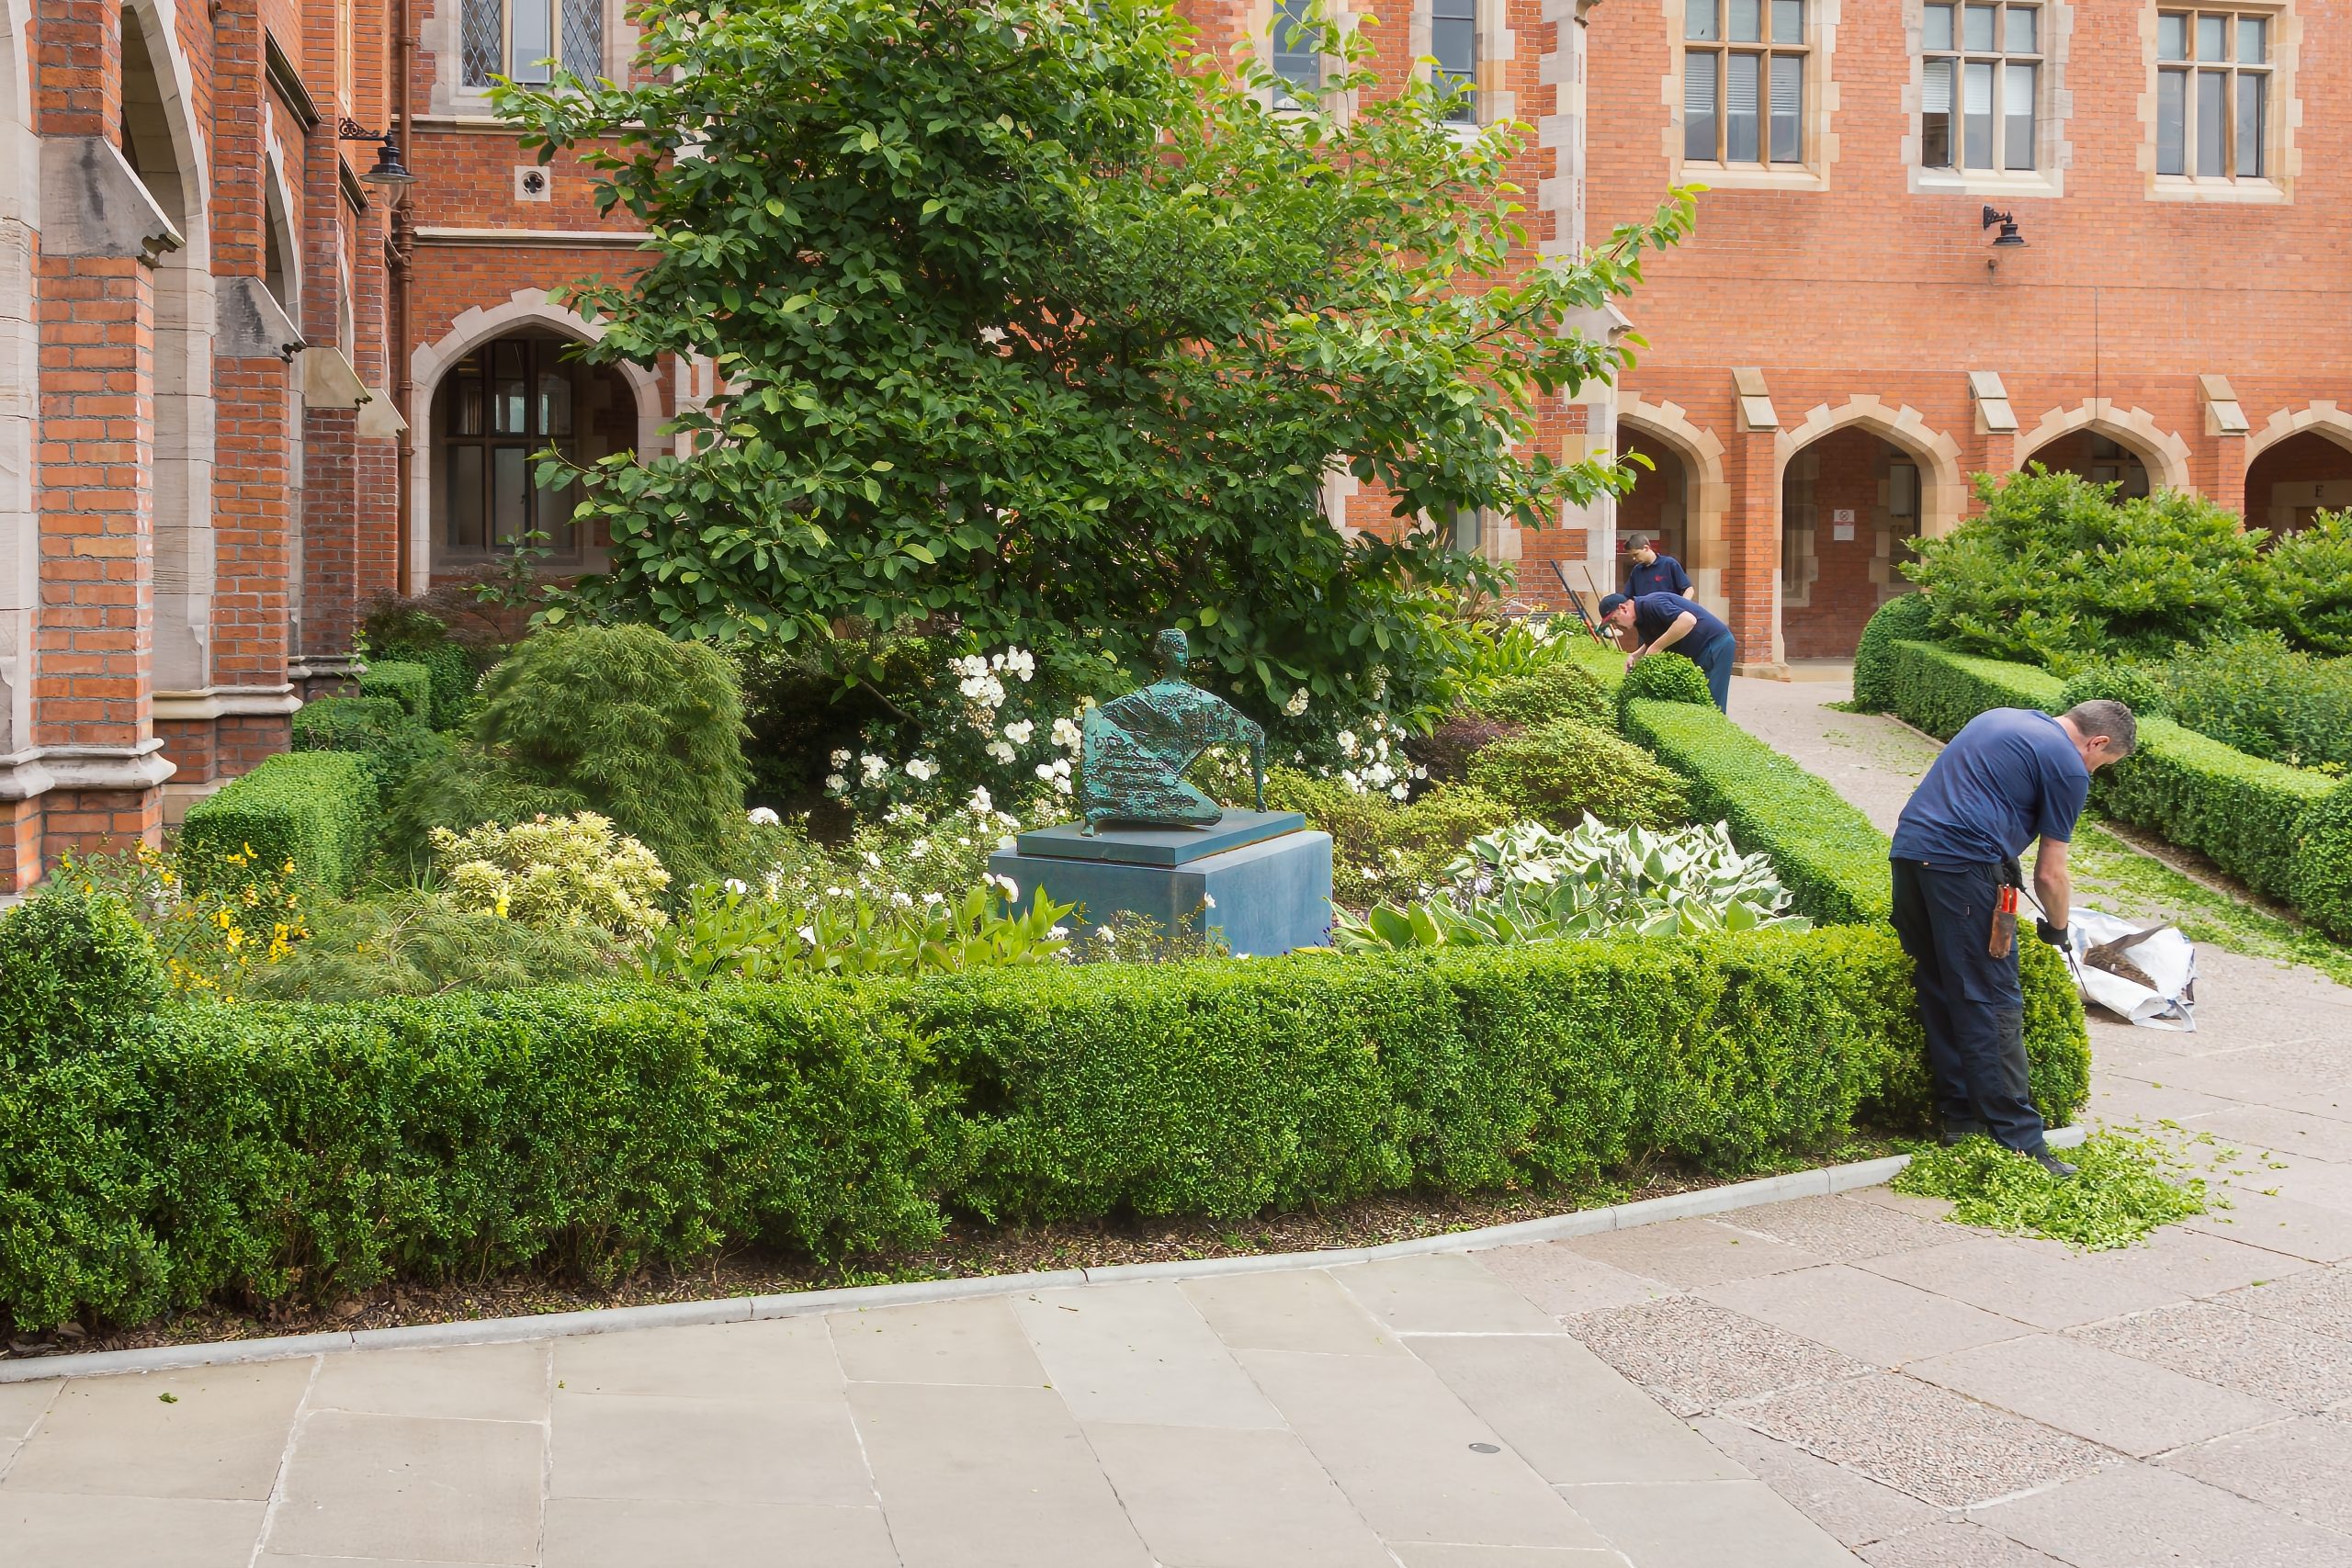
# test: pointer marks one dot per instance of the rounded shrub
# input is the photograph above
(1562, 771)
(646, 731)
(77, 971)
(2323, 887)
(1663, 678)
(1906, 618)
(2125, 684)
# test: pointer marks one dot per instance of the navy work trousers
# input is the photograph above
(1971, 1004)
(1715, 661)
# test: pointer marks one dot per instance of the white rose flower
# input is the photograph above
(1066, 734)
(873, 860)
(806, 934)
(735, 885)
(840, 758)
(980, 805)
(1045, 771)
(922, 769)
(1347, 743)
(1400, 792)
(1060, 934)
(1297, 704)
(832, 892)
(902, 901)
(762, 816)
(1019, 733)
(919, 849)
(999, 750)
(835, 783)
(872, 767)
(1208, 900)
(931, 898)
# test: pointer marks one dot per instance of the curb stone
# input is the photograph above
(803, 1303)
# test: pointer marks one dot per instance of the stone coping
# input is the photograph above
(804, 1303)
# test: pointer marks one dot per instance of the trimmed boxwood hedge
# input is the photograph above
(314, 808)
(408, 684)
(2259, 820)
(266, 1152)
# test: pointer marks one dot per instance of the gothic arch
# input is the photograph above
(428, 363)
(2163, 454)
(2318, 418)
(1943, 488)
(1708, 502)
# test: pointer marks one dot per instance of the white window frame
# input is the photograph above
(1817, 113)
(1946, 52)
(2281, 159)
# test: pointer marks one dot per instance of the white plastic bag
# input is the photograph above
(2168, 958)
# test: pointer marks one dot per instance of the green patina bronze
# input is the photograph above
(1132, 761)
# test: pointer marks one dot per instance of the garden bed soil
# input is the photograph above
(966, 1251)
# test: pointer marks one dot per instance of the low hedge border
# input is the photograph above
(263, 1152)
(2287, 831)
(314, 808)
(1835, 862)
(406, 683)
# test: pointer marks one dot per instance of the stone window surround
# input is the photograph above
(451, 98)
(2282, 157)
(1820, 111)
(1498, 45)
(2052, 152)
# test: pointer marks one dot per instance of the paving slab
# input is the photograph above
(1690, 1253)
(1920, 1439)
(2303, 1466)
(1868, 1316)
(595, 1532)
(475, 1383)
(1228, 1497)
(1449, 1554)
(1693, 1356)
(2280, 1225)
(1955, 1543)
(2319, 1300)
(408, 1487)
(975, 1477)
(1568, 1414)
(1442, 1293)
(2195, 1263)
(778, 1358)
(1139, 1354)
(2263, 1127)
(1694, 1524)
(1399, 1444)
(221, 1435)
(1841, 1227)
(1300, 1309)
(2219, 1345)
(1852, 1507)
(1563, 1282)
(2038, 1283)
(777, 1450)
(975, 1341)
(22, 1405)
(47, 1530)
(2067, 1382)
(2133, 1516)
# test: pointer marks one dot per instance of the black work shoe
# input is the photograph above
(2053, 1164)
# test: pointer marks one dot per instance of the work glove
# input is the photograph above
(2055, 935)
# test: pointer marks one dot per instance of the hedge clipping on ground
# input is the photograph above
(2261, 821)
(316, 810)
(266, 1152)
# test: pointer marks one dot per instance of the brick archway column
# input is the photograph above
(2230, 464)
(93, 486)
(1752, 532)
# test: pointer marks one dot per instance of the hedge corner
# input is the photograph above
(314, 809)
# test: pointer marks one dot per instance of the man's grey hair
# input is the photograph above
(1639, 541)
(2103, 715)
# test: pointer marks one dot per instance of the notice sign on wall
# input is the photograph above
(1841, 523)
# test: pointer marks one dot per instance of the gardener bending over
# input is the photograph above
(2012, 775)
(1660, 621)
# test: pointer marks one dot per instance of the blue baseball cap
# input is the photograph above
(1609, 602)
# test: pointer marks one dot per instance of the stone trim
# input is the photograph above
(2321, 417)
(1943, 487)
(2053, 153)
(2285, 159)
(1822, 17)
(2163, 454)
(1706, 493)
(224, 701)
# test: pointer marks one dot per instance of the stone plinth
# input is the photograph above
(1260, 881)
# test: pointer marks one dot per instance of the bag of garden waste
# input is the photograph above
(2151, 980)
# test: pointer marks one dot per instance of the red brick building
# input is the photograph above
(1844, 343)
(247, 390)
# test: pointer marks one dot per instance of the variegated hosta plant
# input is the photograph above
(1527, 883)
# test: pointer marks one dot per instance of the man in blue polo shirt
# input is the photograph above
(1660, 621)
(1651, 572)
(2011, 776)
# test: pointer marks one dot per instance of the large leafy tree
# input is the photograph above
(1031, 318)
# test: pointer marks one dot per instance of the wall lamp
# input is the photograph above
(2008, 234)
(388, 169)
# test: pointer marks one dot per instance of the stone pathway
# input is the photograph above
(1824, 1382)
